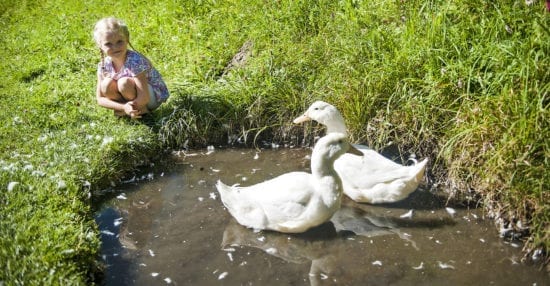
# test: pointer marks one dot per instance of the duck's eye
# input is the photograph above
(316, 108)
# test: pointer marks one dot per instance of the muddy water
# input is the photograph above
(173, 229)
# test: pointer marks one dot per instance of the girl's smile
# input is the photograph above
(114, 45)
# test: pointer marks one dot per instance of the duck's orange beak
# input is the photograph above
(301, 119)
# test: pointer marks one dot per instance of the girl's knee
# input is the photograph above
(127, 87)
(108, 86)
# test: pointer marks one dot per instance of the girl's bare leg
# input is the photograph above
(127, 88)
(109, 89)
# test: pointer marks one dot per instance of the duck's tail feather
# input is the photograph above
(224, 190)
(420, 169)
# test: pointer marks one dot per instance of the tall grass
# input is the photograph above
(464, 83)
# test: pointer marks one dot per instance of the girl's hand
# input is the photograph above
(135, 114)
(130, 110)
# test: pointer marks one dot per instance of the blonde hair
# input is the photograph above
(110, 25)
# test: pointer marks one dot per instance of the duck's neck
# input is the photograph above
(322, 167)
(329, 183)
(336, 125)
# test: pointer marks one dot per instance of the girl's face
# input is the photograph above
(114, 45)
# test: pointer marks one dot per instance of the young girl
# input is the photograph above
(126, 80)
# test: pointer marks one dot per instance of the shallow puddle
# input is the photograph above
(173, 229)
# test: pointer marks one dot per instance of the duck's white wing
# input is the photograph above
(365, 173)
(271, 202)
(374, 159)
(285, 196)
(368, 181)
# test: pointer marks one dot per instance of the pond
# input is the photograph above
(172, 228)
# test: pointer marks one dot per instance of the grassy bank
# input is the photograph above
(464, 83)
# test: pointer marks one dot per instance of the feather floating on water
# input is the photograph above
(409, 214)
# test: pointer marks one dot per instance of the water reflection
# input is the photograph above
(330, 249)
(169, 230)
(113, 249)
(359, 222)
(315, 247)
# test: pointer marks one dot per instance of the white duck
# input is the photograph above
(372, 178)
(295, 201)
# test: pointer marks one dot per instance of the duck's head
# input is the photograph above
(334, 145)
(326, 114)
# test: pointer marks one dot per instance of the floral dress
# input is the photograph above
(135, 64)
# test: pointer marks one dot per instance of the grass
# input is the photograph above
(465, 83)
